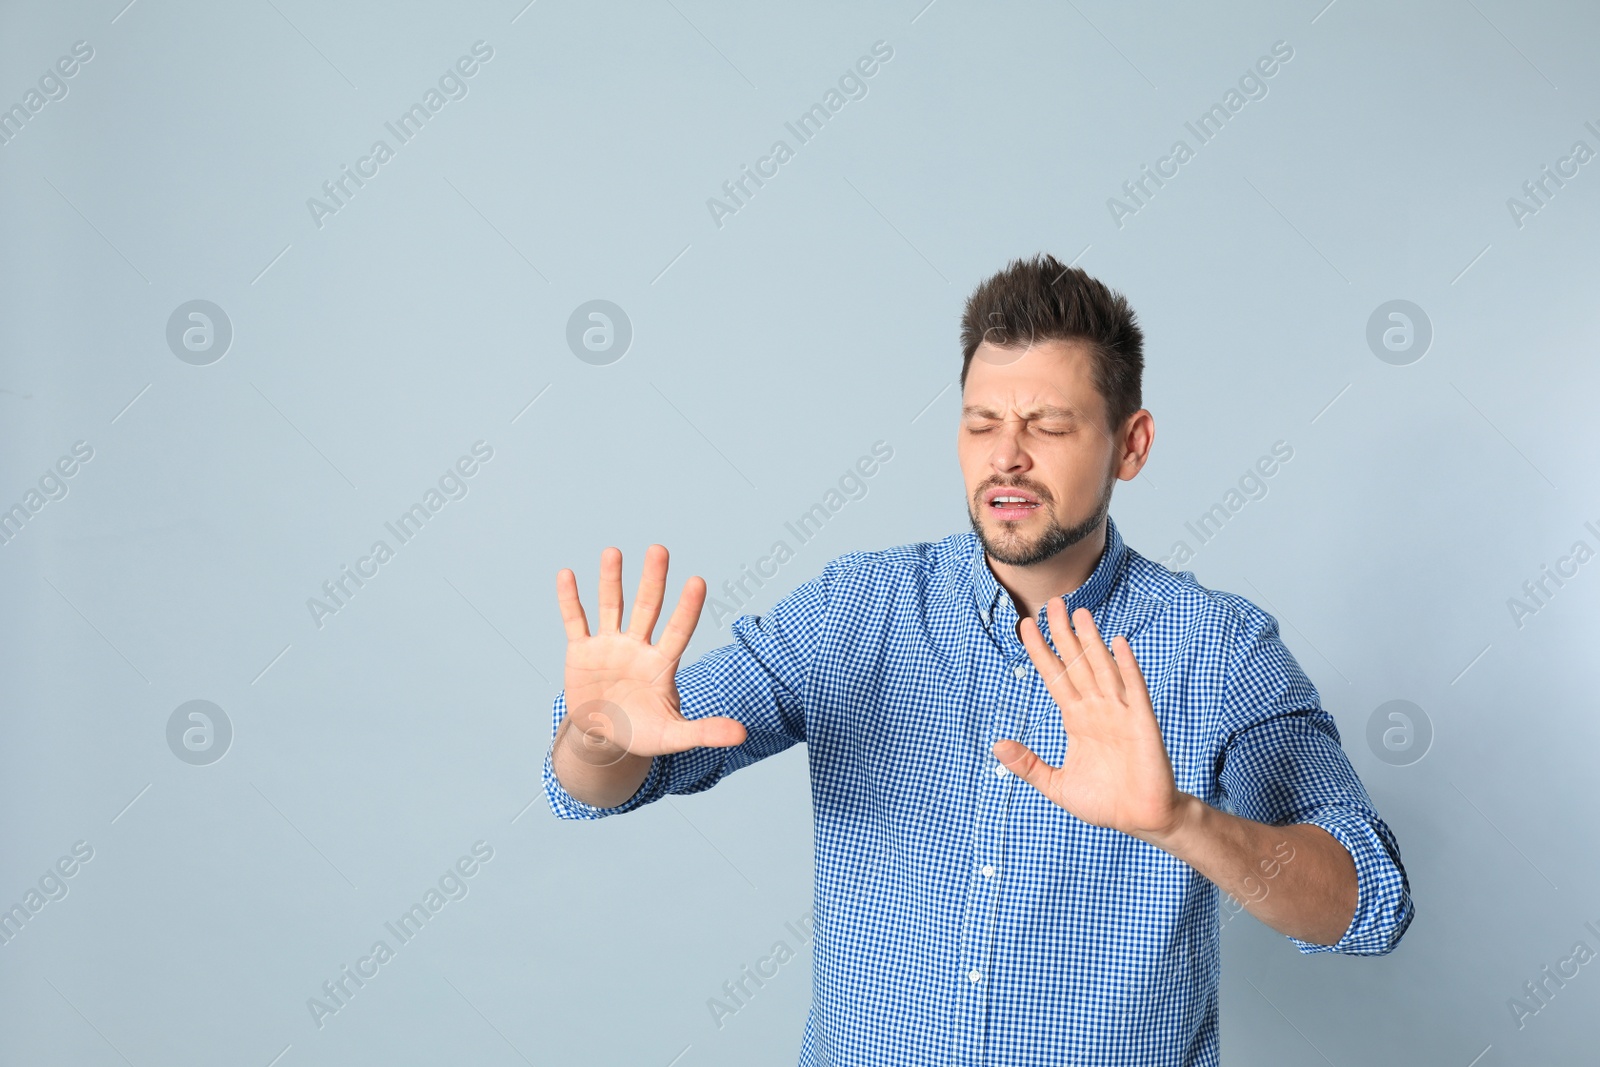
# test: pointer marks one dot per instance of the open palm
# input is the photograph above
(621, 690)
(1116, 772)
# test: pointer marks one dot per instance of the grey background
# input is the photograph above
(368, 354)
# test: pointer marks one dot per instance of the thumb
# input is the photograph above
(1021, 761)
(716, 731)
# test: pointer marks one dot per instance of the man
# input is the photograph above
(1020, 832)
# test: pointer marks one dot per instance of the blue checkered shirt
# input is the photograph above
(960, 916)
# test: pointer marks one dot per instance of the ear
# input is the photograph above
(1134, 443)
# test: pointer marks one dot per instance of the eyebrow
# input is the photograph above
(1044, 411)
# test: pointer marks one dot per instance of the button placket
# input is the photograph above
(1009, 720)
(1009, 714)
(982, 897)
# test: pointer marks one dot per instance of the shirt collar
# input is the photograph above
(989, 593)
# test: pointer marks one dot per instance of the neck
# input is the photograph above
(1033, 586)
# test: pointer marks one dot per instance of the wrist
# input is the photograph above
(1188, 820)
(596, 776)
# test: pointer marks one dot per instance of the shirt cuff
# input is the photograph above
(1383, 895)
(566, 806)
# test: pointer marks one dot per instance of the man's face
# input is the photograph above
(1034, 449)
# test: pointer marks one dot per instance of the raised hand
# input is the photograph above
(621, 692)
(1116, 772)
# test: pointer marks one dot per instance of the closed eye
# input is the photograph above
(976, 428)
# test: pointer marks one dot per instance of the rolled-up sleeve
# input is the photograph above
(1283, 764)
(759, 678)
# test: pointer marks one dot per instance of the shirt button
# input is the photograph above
(974, 975)
(988, 870)
(1019, 670)
(1000, 769)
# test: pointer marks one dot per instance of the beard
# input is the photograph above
(1018, 550)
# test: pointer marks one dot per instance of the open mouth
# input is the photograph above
(1010, 504)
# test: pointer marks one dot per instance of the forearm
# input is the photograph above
(1297, 879)
(589, 774)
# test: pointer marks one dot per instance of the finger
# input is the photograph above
(610, 617)
(1097, 655)
(1021, 761)
(572, 616)
(675, 638)
(1128, 667)
(1047, 663)
(716, 731)
(1071, 649)
(652, 588)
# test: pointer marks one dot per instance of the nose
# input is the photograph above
(1009, 456)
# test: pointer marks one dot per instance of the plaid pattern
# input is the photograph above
(960, 916)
